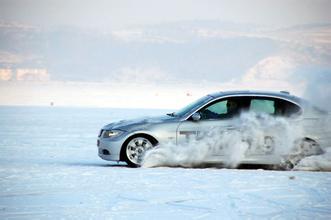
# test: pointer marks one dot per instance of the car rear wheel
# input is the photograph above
(303, 148)
(135, 149)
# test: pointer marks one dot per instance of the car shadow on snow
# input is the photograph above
(222, 166)
(94, 164)
(200, 166)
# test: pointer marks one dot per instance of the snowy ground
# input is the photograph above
(49, 169)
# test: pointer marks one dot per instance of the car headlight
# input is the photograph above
(111, 133)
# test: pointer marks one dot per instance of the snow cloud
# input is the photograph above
(295, 73)
(316, 162)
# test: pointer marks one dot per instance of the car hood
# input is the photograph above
(139, 123)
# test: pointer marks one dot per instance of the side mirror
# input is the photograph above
(196, 116)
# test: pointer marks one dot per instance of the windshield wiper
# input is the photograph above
(171, 114)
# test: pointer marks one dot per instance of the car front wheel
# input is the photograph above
(135, 149)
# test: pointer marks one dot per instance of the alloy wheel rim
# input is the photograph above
(137, 148)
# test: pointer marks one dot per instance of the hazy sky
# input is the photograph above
(268, 63)
(116, 14)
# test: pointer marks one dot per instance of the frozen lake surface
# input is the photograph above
(49, 169)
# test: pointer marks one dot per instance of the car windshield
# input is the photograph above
(193, 105)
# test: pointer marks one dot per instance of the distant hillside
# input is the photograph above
(197, 50)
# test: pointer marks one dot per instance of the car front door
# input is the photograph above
(217, 116)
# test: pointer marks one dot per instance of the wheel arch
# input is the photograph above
(153, 140)
(308, 139)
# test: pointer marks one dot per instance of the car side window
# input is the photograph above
(263, 106)
(220, 110)
(285, 108)
(218, 107)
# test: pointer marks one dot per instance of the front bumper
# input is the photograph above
(109, 149)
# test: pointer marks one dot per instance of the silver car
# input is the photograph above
(129, 140)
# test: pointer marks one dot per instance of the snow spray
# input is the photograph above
(254, 133)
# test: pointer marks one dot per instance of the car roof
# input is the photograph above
(281, 94)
